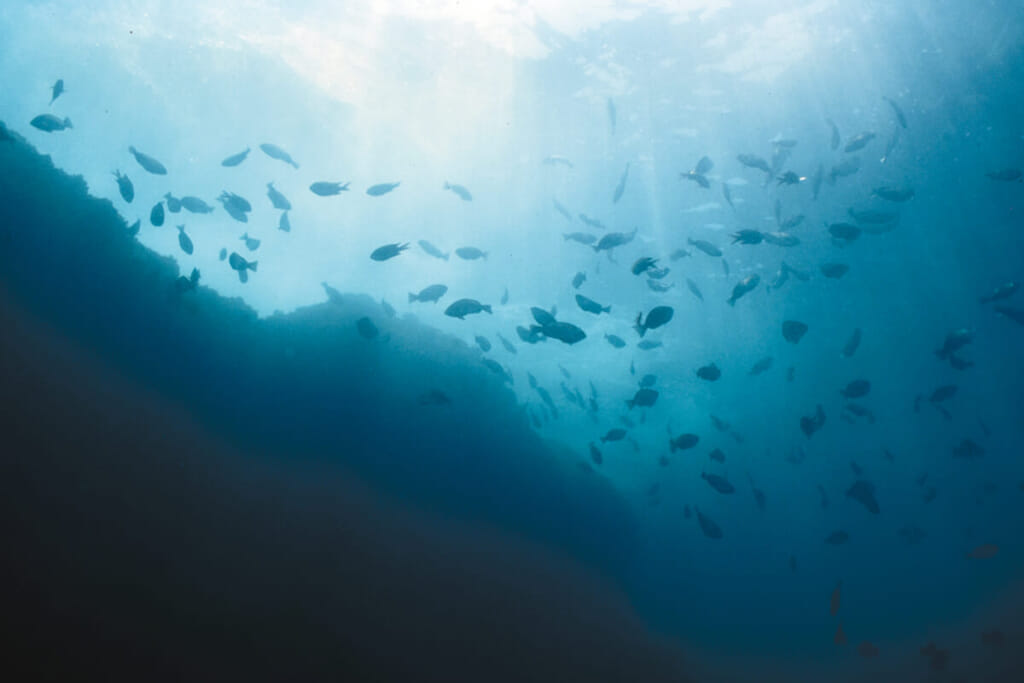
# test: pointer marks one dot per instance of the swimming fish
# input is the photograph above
(709, 372)
(754, 161)
(236, 206)
(864, 493)
(197, 205)
(747, 236)
(644, 397)
(187, 284)
(431, 250)
(591, 306)
(184, 241)
(581, 237)
(595, 454)
(125, 187)
(432, 294)
(708, 526)
(621, 187)
(834, 271)
(48, 123)
(242, 266)
(463, 307)
(278, 200)
(156, 214)
(578, 279)
(809, 424)
(366, 328)
(459, 191)
(327, 189)
(614, 239)
(743, 287)
(683, 442)
(148, 163)
(761, 365)
(284, 223)
(720, 484)
(694, 289)
(847, 232)
(859, 142)
(57, 90)
(705, 246)
(834, 141)
(897, 111)
(616, 434)
(275, 152)
(251, 243)
(235, 159)
(563, 332)
(1002, 291)
(485, 345)
(381, 188)
(388, 251)
(556, 160)
(560, 208)
(894, 193)
(1005, 175)
(470, 253)
(173, 203)
(793, 331)
(615, 341)
(699, 172)
(658, 316)
(856, 389)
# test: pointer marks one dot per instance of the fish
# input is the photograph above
(463, 307)
(709, 372)
(173, 203)
(834, 141)
(224, 254)
(184, 241)
(388, 251)
(954, 341)
(809, 424)
(611, 114)
(275, 152)
(1005, 175)
(793, 331)
(615, 341)
(235, 159)
(614, 239)
(134, 228)
(858, 388)
(187, 284)
(705, 246)
(656, 286)
(833, 607)
(56, 90)
(747, 236)
(431, 294)
(504, 297)
(943, 393)
(431, 250)
(541, 316)
(837, 538)
(844, 168)
(894, 193)
(834, 271)
(847, 232)
(643, 264)
(790, 178)
(366, 328)
(743, 287)
(148, 163)
(470, 253)
(506, 343)
(236, 206)
(434, 397)
(658, 316)
(983, 552)
(648, 344)
(621, 187)
(699, 172)
(754, 161)
(683, 442)
(859, 142)
(381, 188)
(616, 434)
(591, 306)
(242, 266)
(897, 111)
(720, 484)
(278, 200)
(196, 205)
(678, 254)
(592, 222)
(48, 123)
(863, 492)
(1002, 291)
(780, 239)
(644, 397)
(761, 366)
(156, 214)
(284, 223)
(717, 455)
(324, 188)
(727, 194)
(560, 208)
(595, 454)
(581, 237)
(459, 191)
(968, 449)
(694, 289)
(125, 187)
(251, 243)
(497, 368)
(648, 380)
(485, 346)
(708, 526)
(563, 332)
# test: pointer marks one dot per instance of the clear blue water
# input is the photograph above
(535, 107)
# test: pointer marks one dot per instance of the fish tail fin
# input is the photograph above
(486, 307)
(67, 123)
(731, 301)
(638, 326)
(607, 309)
(412, 297)
(252, 266)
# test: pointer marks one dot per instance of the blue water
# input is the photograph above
(531, 111)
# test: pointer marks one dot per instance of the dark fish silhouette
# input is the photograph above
(148, 163)
(275, 152)
(381, 188)
(837, 538)
(864, 493)
(793, 331)
(125, 187)
(235, 159)
(708, 526)
(621, 187)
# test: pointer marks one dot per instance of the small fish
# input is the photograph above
(809, 424)
(485, 346)
(694, 289)
(173, 203)
(743, 287)
(847, 232)
(434, 397)
(463, 307)
(235, 159)
(837, 538)
(859, 142)
(459, 191)
(615, 341)
(187, 284)
(699, 172)
(1005, 175)
(156, 214)
(762, 365)
(431, 250)
(560, 208)
(844, 168)
(224, 254)
(366, 328)
(328, 189)
(727, 195)
(556, 160)
(388, 251)
(278, 200)
(658, 316)
(705, 246)
(504, 297)
(242, 266)
(683, 442)
(57, 90)
(747, 236)
(381, 188)
(709, 372)
(897, 111)
(1002, 291)
(470, 253)
(708, 526)
(499, 370)
(591, 306)
(720, 484)
(858, 388)
(196, 205)
(644, 397)
(717, 455)
(643, 264)
(780, 239)
(275, 152)
(968, 449)
(431, 294)
(48, 123)
(148, 163)
(894, 193)
(125, 187)
(592, 222)
(616, 434)
(581, 237)
(678, 254)
(595, 454)
(251, 243)
(612, 240)
(564, 332)
(184, 241)
(284, 223)
(864, 493)
(237, 206)
(834, 271)
(753, 161)
(621, 187)
(943, 393)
